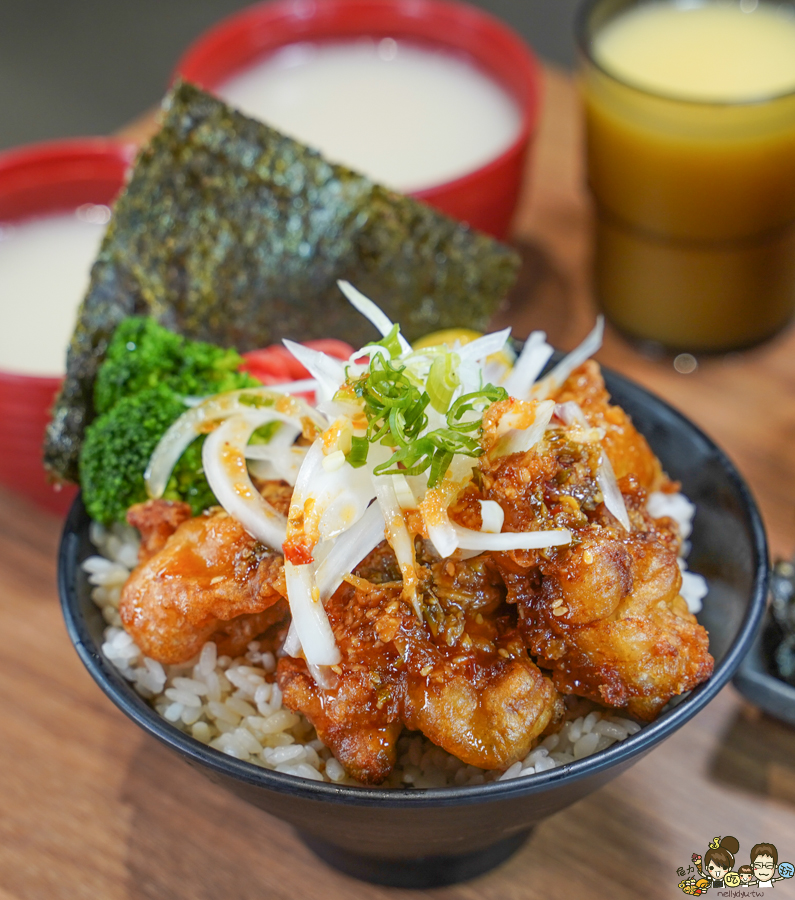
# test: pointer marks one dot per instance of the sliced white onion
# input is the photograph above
(511, 540)
(334, 461)
(194, 422)
(339, 497)
(403, 492)
(443, 537)
(223, 458)
(349, 549)
(279, 458)
(311, 469)
(327, 372)
(570, 413)
(374, 314)
(436, 501)
(558, 376)
(341, 508)
(484, 346)
(614, 501)
(470, 377)
(520, 440)
(281, 463)
(333, 409)
(325, 677)
(397, 532)
(292, 643)
(309, 617)
(492, 516)
(304, 386)
(534, 356)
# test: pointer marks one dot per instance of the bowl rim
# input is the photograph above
(136, 708)
(29, 165)
(192, 64)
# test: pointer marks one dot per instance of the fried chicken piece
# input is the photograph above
(157, 520)
(627, 449)
(210, 580)
(346, 717)
(551, 486)
(461, 676)
(607, 619)
(604, 615)
(277, 493)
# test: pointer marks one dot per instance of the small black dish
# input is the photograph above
(758, 677)
(425, 838)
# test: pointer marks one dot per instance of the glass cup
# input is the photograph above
(695, 207)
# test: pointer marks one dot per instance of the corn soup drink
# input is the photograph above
(690, 116)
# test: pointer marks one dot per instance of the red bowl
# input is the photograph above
(36, 180)
(485, 197)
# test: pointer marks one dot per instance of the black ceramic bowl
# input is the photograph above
(416, 838)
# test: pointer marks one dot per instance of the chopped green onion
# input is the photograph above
(395, 408)
(389, 342)
(443, 380)
(357, 455)
(477, 400)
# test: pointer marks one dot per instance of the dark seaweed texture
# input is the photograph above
(232, 233)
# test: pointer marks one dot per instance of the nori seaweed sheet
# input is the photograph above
(230, 232)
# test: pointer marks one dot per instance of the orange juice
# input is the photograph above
(690, 113)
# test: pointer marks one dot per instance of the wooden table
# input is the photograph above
(93, 808)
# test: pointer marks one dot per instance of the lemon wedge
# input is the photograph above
(447, 337)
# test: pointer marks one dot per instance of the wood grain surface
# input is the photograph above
(92, 808)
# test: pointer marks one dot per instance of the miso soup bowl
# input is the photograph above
(423, 838)
(39, 180)
(486, 197)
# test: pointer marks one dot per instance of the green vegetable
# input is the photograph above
(117, 448)
(140, 390)
(143, 354)
(443, 380)
(395, 409)
(357, 456)
(389, 342)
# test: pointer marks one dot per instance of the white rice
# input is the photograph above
(681, 510)
(235, 706)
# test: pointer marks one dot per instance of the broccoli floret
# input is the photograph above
(187, 481)
(143, 354)
(139, 392)
(116, 451)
